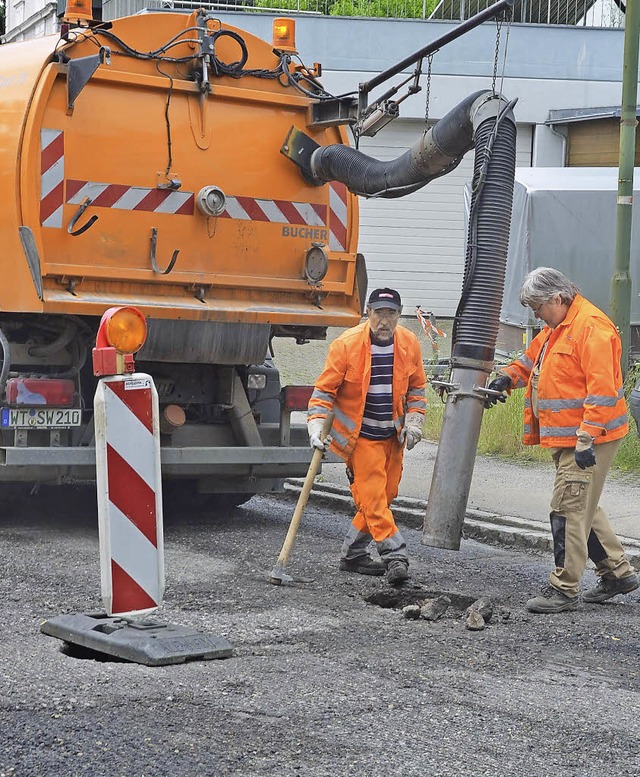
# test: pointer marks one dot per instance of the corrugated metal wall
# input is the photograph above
(416, 243)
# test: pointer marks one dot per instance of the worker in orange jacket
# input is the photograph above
(374, 382)
(575, 406)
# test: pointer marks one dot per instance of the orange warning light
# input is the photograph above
(78, 10)
(125, 329)
(121, 333)
(284, 35)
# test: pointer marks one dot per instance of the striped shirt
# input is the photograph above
(377, 420)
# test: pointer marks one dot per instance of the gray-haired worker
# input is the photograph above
(575, 407)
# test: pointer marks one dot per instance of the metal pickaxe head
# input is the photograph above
(278, 576)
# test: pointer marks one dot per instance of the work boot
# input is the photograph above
(397, 572)
(551, 600)
(363, 565)
(609, 586)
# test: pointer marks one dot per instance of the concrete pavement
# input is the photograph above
(508, 502)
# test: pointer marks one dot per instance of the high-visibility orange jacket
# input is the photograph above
(344, 382)
(580, 383)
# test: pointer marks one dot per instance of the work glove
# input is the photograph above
(314, 430)
(585, 454)
(411, 432)
(501, 383)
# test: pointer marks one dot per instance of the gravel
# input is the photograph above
(327, 677)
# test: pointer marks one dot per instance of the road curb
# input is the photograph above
(507, 531)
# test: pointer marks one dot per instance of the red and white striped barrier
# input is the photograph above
(129, 494)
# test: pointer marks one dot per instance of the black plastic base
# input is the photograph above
(146, 642)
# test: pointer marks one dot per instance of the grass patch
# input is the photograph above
(628, 457)
(502, 429)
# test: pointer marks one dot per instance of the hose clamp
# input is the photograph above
(465, 362)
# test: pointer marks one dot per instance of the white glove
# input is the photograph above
(585, 441)
(314, 429)
(411, 433)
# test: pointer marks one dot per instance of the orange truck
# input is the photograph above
(141, 164)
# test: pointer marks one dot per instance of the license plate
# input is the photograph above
(40, 417)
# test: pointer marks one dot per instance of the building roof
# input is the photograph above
(572, 115)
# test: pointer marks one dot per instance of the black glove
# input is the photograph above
(586, 458)
(501, 383)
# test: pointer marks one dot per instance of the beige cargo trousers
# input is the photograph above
(580, 527)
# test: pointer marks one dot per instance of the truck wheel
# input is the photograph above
(184, 495)
(14, 495)
(227, 501)
(217, 503)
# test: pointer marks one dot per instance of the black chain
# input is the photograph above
(428, 95)
(496, 55)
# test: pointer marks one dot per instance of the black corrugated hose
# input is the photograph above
(439, 150)
(478, 315)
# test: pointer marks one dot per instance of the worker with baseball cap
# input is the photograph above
(374, 382)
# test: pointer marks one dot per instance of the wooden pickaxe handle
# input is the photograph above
(303, 498)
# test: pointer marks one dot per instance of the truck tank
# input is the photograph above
(140, 161)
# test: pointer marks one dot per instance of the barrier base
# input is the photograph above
(143, 642)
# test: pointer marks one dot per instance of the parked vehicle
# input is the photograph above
(141, 165)
(188, 168)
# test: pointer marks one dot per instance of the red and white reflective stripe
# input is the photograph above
(51, 177)
(129, 494)
(276, 211)
(138, 198)
(121, 197)
(338, 216)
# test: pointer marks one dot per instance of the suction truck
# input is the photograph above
(184, 166)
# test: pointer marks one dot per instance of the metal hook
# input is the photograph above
(83, 206)
(154, 240)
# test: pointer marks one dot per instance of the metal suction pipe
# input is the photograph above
(475, 327)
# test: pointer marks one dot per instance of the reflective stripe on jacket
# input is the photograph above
(344, 382)
(580, 383)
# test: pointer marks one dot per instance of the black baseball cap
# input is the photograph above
(385, 298)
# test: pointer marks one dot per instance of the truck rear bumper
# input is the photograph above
(55, 463)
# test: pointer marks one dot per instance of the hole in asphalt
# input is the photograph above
(397, 598)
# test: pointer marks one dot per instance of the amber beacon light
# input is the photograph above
(78, 11)
(122, 332)
(284, 35)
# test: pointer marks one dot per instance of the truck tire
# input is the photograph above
(217, 504)
(14, 495)
(180, 495)
(228, 501)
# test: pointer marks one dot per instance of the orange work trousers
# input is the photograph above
(376, 469)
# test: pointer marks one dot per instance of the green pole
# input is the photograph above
(621, 281)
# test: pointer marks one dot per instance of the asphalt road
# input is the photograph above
(324, 681)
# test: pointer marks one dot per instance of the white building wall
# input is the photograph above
(417, 243)
(29, 19)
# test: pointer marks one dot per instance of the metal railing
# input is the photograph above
(593, 13)
(590, 13)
